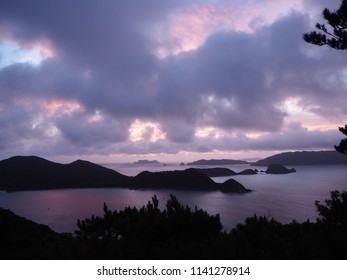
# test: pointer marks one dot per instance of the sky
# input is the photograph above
(118, 81)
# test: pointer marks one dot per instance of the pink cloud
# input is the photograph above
(190, 27)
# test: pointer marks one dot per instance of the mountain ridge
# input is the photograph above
(304, 158)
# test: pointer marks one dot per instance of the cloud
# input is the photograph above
(85, 130)
(101, 73)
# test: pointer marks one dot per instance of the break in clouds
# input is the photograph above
(137, 77)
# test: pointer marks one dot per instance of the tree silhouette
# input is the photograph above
(334, 36)
(334, 213)
(149, 232)
(342, 147)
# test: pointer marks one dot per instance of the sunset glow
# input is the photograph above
(145, 131)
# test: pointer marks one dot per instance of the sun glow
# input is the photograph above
(210, 132)
(254, 135)
(189, 28)
(145, 131)
(62, 106)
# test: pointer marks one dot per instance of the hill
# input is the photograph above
(217, 162)
(221, 171)
(31, 172)
(304, 158)
(278, 169)
(25, 239)
(189, 179)
(34, 173)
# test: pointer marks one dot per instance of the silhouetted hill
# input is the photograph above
(34, 173)
(31, 172)
(217, 162)
(278, 169)
(217, 171)
(24, 239)
(248, 172)
(233, 186)
(304, 158)
(221, 171)
(189, 179)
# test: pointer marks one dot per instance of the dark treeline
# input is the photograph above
(179, 232)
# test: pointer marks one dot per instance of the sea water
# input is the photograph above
(285, 197)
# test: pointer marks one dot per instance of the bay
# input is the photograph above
(284, 197)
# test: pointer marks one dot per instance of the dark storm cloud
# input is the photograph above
(82, 130)
(228, 82)
(106, 37)
(285, 140)
(52, 79)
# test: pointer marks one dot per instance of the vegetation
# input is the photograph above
(342, 147)
(334, 36)
(24, 239)
(179, 232)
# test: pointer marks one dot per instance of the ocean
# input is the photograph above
(284, 197)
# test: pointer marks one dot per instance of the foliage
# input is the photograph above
(24, 239)
(342, 147)
(334, 213)
(148, 232)
(178, 232)
(335, 35)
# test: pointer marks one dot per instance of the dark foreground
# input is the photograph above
(178, 232)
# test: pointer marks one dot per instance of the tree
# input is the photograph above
(334, 212)
(342, 147)
(335, 37)
(150, 233)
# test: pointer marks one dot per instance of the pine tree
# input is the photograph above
(342, 147)
(334, 36)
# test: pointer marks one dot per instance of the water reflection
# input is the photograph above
(283, 197)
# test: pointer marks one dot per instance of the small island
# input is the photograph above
(278, 169)
(145, 161)
(217, 162)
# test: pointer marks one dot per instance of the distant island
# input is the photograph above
(304, 158)
(221, 171)
(217, 162)
(145, 161)
(34, 173)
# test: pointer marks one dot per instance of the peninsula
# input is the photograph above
(304, 158)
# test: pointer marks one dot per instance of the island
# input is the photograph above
(304, 158)
(221, 172)
(145, 161)
(34, 173)
(278, 169)
(217, 162)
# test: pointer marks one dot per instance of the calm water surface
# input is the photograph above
(283, 197)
